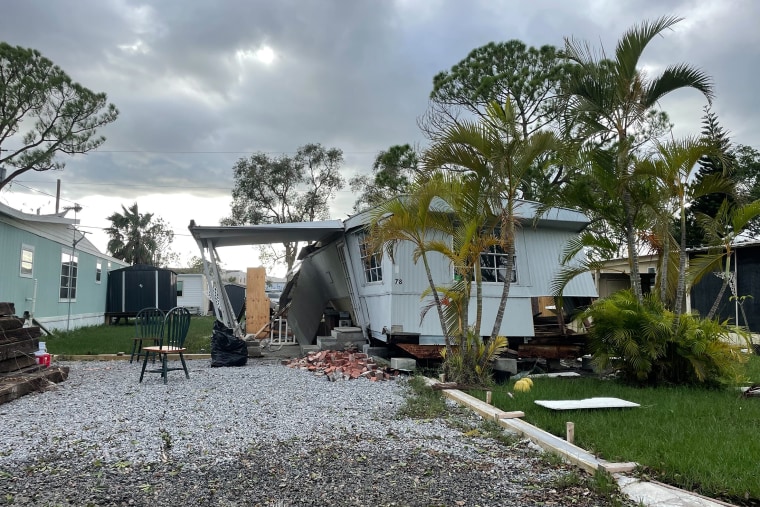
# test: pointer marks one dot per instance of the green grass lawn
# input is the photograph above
(704, 440)
(110, 339)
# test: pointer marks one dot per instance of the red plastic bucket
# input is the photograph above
(43, 359)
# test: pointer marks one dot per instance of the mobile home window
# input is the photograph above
(179, 288)
(493, 265)
(371, 261)
(27, 261)
(98, 271)
(69, 268)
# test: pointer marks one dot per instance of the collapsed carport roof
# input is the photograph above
(221, 236)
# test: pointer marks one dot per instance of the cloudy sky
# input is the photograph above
(200, 84)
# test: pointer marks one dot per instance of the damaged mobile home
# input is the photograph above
(383, 295)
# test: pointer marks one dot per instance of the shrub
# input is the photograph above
(641, 341)
(469, 362)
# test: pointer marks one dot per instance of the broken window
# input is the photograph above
(371, 260)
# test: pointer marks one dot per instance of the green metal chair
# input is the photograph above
(176, 324)
(149, 325)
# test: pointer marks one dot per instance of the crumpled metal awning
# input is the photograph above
(221, 236)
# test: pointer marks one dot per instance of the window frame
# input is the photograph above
(371, 262)
(180, 288)
(493, 256)
(68, 292)
(26, 248)
(98, 271)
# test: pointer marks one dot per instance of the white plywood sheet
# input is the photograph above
(587, 403)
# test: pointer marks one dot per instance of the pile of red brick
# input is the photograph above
(338, 365)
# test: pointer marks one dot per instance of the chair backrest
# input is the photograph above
(176, 324)
(149, 323)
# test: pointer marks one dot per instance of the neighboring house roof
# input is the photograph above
(53, 227)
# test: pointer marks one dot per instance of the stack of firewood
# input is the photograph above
(17, 343)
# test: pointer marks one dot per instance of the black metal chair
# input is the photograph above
(176, 325)
(149, 325)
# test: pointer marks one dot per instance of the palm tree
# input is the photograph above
(413, 218)
(495, 153)
(612, 101)
(130, 238)
(466, 238)
(673, 166)
(721, 231)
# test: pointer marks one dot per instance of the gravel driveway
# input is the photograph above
(262, 434)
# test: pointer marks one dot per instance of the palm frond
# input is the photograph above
(633, 42)
(675, 77)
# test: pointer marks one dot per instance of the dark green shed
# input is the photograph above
(140, 286)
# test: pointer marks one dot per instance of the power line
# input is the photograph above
(14, 182)
(219, 152)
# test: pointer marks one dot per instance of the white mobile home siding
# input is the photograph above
(394, 304)
(194, 292)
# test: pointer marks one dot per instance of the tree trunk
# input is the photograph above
(437, 300)
(507, 278)
(716, 303)
(633, 256)
(630, 231)
(478, 298)
(726, 273)
(664, 267)
(290, 254)
(681, 287)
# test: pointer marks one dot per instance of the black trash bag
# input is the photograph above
(226, 348)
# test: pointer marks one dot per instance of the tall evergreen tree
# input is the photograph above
(721, 163)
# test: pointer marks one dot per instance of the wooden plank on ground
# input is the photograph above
(256, 300)
(17, 385)
(17, 363)
(18, 348)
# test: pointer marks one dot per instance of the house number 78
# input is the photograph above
(398, 281)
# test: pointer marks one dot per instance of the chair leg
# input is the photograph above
(184, 365)
(145, 363)
(166, 360)
(135, 348)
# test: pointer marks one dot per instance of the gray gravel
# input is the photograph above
(262, 434)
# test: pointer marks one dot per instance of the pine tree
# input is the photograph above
(721, 163)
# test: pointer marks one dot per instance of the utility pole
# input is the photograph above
(74, 243)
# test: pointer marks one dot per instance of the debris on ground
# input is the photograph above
(342, 365)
